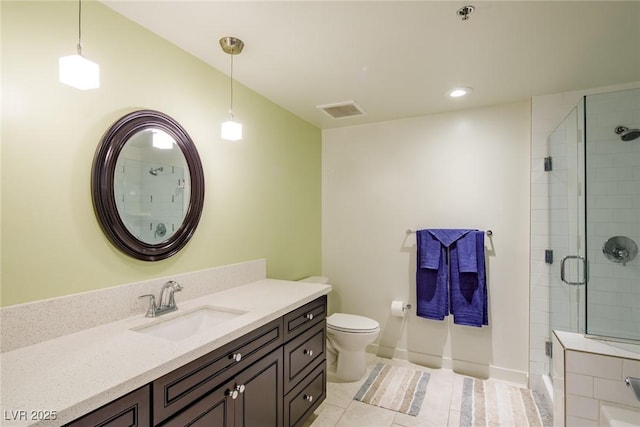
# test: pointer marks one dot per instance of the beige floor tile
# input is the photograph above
(360, 414)
(341, 394)
(325, 416)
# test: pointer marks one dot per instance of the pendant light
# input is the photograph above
(76, 70)
(231, 130)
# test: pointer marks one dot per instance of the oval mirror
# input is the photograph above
(147, 185)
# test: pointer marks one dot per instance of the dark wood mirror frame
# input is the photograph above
(103, 191)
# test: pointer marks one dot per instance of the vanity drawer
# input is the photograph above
(178, 389)
(303, 353)
(303, 318)
(306, 396)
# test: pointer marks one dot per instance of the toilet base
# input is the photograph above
(352, 365)
(332, 356)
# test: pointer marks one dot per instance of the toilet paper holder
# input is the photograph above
(399, 308)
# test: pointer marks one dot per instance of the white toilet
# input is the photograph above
(348, 336)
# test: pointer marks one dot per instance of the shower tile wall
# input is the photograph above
(613, 206)
(151, 203)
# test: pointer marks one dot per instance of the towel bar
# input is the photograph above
(488, 232)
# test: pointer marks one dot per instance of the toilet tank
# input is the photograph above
(316, 279)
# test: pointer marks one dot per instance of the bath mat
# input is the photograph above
(489, 403)
(394, 387)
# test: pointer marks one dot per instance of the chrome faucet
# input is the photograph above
(167, 302)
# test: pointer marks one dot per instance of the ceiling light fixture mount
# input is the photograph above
(231, 45)
(465, 12)
(231, 130)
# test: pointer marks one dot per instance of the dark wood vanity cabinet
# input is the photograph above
(273, 376)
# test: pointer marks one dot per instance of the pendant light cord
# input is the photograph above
(231, 89)
(80, 27)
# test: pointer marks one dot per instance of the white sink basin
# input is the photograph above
(190, 323)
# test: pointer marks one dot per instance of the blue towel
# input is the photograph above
(432, 274)
(429, 250)
(467, 256)
(464, 293)
(431, 278)
(447, 236)
(468, 285)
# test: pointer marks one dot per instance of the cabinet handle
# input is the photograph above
(308, 352)
(231, 393)
(236, 357)
(240, 388)
(308, 398)
(309, 316)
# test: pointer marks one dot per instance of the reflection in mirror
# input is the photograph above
(151, 186)
(147, 185)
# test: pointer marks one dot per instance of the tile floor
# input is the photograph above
(441, 407)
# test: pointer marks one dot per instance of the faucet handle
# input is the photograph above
(172, 287)
(151, 308)
(175, 286)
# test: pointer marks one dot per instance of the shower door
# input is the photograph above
(568, 272)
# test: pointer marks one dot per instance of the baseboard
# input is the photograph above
(473, 369)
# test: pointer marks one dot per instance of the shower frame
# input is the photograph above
(593, 195)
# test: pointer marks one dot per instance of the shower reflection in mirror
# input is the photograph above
(149, 182)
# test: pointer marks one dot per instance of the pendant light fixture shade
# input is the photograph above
(231, 130)
(76, 70)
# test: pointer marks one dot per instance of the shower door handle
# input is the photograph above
(562, 266)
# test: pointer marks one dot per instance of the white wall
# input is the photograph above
(467, 169)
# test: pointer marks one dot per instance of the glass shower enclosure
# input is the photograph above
(594, 218)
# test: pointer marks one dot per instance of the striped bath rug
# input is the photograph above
(489, 403)
(394, 387)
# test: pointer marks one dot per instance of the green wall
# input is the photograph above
(262, 194)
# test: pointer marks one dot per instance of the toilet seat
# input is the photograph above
(352, 323)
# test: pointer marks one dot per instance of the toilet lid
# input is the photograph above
(351, 323)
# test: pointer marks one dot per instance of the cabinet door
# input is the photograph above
(214, 410)
(260, 402)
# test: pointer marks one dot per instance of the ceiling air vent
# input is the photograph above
(342, 110)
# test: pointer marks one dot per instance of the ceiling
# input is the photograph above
(398, 59)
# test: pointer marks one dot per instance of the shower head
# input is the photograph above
(155, 171)
(627, 134)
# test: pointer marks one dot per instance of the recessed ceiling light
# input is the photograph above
(459, 91)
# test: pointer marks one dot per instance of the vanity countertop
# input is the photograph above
(79, 372)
